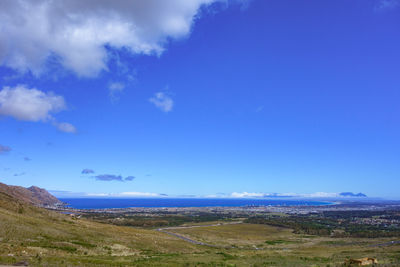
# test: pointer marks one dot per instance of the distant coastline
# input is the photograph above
(109, 203)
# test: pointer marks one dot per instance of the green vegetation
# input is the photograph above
(45, 238)
(154, 220)
(369, 224)
(278, 242)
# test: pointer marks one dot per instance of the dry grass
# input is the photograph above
(263, 241)
(27, 232)
(239, 235)
(45, 238)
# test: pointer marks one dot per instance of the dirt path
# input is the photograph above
(165, 230)
(386, 244)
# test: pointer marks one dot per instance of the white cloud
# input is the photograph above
(384, 5)
(138, 194)
(246, 194)
(27, 104)
(123, 194)
(115, 90)
(97, 195)
(74, 32)
(31, 104)
(162, 101)
(322, 194)
(67, 194)
(116, 87)
(266, 195)
(65, 127)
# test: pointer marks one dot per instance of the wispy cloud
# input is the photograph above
(246, 194)
(112, 177)
(65, 127)
(384, 5)
(109, 177)
(129, 178)
(66, 194)
(162, 101)
(125, 194)
(87, 171)
(19, 174)
(267, 195)
(218, 195)
(27, 159)
(137, 194)
(115, 89)
(4, 149)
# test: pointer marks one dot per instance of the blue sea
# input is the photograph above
(107, 203)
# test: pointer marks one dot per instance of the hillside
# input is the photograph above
(46, 238)
(33, 195)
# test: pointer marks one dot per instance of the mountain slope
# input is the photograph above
(33, 195)
(47, 238)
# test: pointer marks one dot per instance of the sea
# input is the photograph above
(108, 203)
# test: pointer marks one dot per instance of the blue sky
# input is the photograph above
(202, 97)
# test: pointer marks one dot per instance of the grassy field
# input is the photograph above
(44, 238)
(275, 246)
(243, 236)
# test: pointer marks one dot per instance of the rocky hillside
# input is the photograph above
(33, 195)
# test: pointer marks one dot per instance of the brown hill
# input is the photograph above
(33, 195)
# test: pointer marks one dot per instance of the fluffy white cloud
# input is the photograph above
(27, 104)
(31, 104)
(162, 101)
(74, 32)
